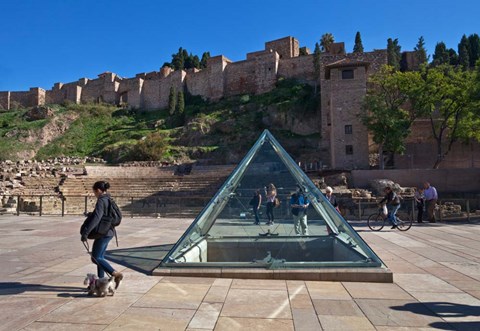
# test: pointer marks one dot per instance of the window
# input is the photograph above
(349, 149)
(347, 74)
(348, 129)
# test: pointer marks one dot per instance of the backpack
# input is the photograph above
(114, 214)
(110, 220)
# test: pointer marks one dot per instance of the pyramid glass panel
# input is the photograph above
(226, 234)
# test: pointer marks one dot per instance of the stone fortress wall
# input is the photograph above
(221, 78)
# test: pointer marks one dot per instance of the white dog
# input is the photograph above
(99, 286)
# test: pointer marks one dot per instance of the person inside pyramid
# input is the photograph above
(299, 203)
(271, 194)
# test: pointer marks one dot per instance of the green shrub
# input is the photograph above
(151, 148)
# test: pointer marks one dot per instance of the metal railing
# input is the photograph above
(467, 210)
(164, 205)
(59, 205)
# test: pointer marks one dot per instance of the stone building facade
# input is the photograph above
(342, 82)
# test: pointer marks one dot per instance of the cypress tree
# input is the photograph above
(453, 57)
(463, 57)
(172, 101)
(463, 52)
(441, 55)
(178, 60)
(474, 49)
(203, 61)
(393, 53)
(317, 60)
(420, 51)
(358, 47)
(180, 103)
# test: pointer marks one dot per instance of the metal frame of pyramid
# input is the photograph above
(368, 268)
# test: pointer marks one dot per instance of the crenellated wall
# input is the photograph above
(221, 78)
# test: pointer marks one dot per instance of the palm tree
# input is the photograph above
(326, 40)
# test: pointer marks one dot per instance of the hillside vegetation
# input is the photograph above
(221, 132)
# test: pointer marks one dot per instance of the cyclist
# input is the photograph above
(392, 202)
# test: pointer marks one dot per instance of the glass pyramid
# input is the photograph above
(225, 234)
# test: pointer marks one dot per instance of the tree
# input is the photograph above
(441, 55)
(387, 113)
(474, 49)
(358, 47)
(203, 61)
(178, 59)
(420, 51)
(180, 103)
(317, 56)
(463, 57)
(326, 41)
(464, 52)
(453, 57)
(446, 99)
(394, 55)
(172, 100)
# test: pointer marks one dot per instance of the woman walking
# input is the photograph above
(100, 245)
(271, 193)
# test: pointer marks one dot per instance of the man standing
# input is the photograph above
(431, 198)
(299, 204)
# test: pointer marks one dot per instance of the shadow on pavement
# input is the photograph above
(12, 288)
(141, 259)
(445, 310)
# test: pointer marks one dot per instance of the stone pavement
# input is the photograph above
(43, 263)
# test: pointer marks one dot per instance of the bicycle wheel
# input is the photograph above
(404, 223)
(376, 222)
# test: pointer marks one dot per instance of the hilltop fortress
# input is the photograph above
(221, 78)
(342, 82)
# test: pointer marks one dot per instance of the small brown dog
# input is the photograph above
(99, 286)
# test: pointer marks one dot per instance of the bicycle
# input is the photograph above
(376, 222)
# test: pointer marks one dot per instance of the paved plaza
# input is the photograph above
(43, 264)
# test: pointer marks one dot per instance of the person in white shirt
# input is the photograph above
(431, 198)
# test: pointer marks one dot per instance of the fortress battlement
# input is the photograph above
(257, 74)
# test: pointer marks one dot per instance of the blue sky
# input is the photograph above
(43, 42)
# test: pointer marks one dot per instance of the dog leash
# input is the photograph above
(87, 247)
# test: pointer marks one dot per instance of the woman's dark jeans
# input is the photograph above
(255, 212)
(98, 253)
(270, 211)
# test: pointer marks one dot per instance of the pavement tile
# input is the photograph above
(187, 280)
(18, 312)
(152, 319)
(261, 284)
(397, 312)
(297, 287)
(327, 290)
(174, 296)
(376, 291)
(92, 310)
(305, 319)
(257, 303)
(300, 301)
(206, 316)
(46, 326)
(337, 308)
(423, 283)
(345, 323)
(242, 324)
(222, 282)
(216, 294)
